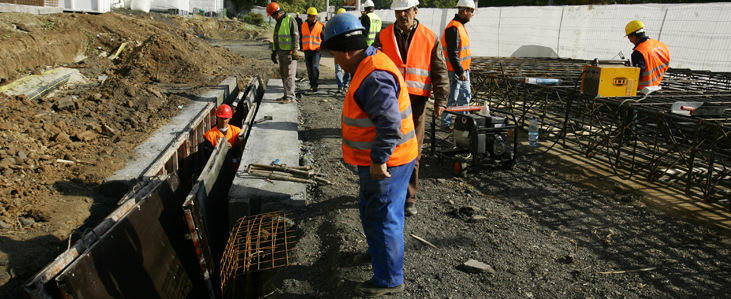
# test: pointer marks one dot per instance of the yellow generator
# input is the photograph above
(610, 80)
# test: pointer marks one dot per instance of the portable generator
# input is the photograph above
(481, 140)
(607, 80)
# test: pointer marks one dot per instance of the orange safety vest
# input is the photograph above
(417, 68)
(465, 54)
(657, 61)
(231, 135)
(359, 131)
(311, 39)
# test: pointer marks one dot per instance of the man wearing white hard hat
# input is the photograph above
(456, 45)
(370, 21)
(416, 51)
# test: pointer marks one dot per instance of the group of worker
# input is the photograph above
(394, 72)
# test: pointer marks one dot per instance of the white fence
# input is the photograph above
(698, 35)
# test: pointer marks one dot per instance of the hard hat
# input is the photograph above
(224, 111)
(368, 3)
(633, 27)
(343, 24)
(312, 11)
(272, 8)
(296, 12)
(341, 10)
(403, 4)
(466, 3)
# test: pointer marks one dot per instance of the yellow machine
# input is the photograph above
(610, 80)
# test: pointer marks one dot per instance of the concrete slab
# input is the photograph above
(268, 141)
(30, 9)
(147, 153)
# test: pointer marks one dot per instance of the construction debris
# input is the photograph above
(300, 174)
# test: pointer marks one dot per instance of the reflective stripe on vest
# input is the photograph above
(375, 27)
(311, 39)
(359, 131)
(465, 54)
(284, 36)
(657, 62)
(416, 70)
(213, 135)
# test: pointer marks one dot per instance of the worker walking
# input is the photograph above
(341, 78)
(650, 55)
(284, 50)
(456, 46)
(379, 138)
(416, 51)
(370, 21)
(311, 40)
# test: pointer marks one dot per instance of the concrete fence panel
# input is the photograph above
(699, 36)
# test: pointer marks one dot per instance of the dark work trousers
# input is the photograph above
(312, 60)
(418, 108)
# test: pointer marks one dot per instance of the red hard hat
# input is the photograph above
(224, 111)
(272, 8)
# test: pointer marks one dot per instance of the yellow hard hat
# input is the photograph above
(633, 26)
(312, 11)
(341, 10)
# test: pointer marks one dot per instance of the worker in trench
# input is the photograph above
(416, 51)
(284, 49)
(650, 55)
(378, 138)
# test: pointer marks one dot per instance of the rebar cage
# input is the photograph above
(633, 135)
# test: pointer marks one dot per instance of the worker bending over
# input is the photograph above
(311, 40)
(284, 49)
(379, 138)
(650, 55)
(456, 46)
(415, 50)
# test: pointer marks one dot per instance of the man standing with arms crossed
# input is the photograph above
(311, 39)
(284, 49)
(379, 138)
(456, 46)
(415, 50)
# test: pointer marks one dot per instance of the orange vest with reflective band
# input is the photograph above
(465, 54)
(657, 61)
(417, 68)
(311, 39)
(231, 135)
(359, 131)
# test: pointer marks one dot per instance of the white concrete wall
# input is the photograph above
(206, 5)
(698, 35)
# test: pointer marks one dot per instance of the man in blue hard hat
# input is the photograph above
(378, 138)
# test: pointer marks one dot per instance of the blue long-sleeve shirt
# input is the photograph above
(377, 95)
(637, 59)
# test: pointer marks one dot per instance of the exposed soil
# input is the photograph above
(93, 127)
(543, 233)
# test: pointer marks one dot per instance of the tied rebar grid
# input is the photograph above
(256, 243)
(633, 135)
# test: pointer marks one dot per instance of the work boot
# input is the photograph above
(410, 209)
(367, 289)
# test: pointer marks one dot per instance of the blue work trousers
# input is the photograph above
(312, 61)
(460, 94)
(381, 204)
(341, 77)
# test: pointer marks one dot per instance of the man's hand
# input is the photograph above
(274, 57)
(379, 171)
(462, 77)
(438, 110)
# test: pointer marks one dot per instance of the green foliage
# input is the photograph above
(254, 19)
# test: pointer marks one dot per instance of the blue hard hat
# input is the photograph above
(341, 24)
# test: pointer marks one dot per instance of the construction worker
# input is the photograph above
(311, 39)
(284, 49)
(415, 50)
(650, 55)
(379, 138)
(370, 21)
(341, 78)
(223, 128)
(456, 47)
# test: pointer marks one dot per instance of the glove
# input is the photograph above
(274, 57)
(295, 55)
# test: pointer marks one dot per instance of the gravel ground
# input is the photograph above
(542, 233)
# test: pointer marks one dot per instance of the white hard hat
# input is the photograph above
(368, 3)
(403, 4)
(466, 3)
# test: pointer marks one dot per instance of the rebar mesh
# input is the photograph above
(632, 135)
(256, 243)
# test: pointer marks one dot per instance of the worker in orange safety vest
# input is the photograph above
(311, 40)
(650, 55)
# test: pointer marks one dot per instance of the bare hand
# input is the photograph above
(379, 171)
(438, 110)
(462, 77)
